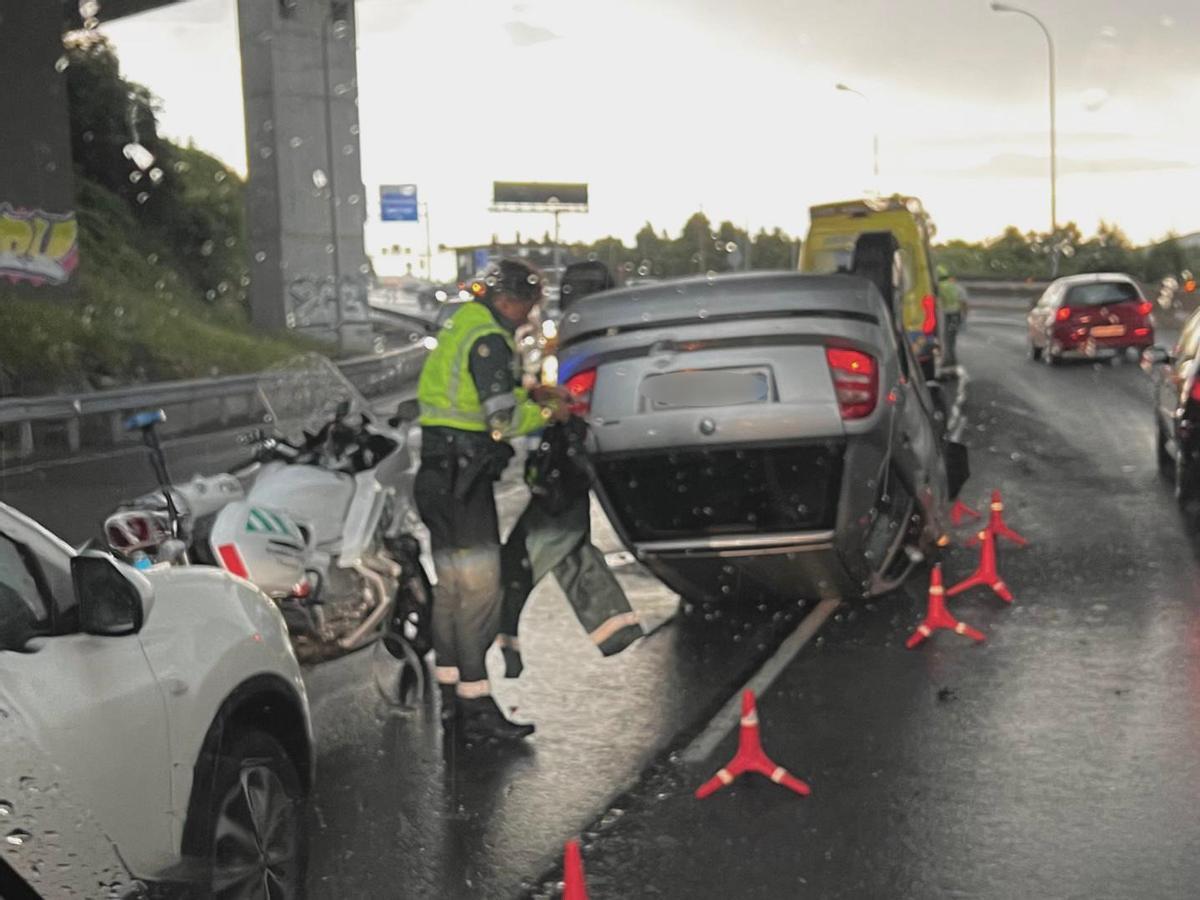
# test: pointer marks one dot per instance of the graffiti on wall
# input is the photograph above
(314, 302)
(37, 246)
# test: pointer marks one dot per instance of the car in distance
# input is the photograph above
(1090, 314)
(765, 434)
(1176, 391)
(171, 701)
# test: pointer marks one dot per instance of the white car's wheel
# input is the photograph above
(256, 822)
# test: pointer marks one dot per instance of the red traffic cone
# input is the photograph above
(751, 757)
(998, 526)
(937, 617)
(986, 575)
(574, 887)
(960, 511)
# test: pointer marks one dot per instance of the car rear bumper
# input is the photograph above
(1080, 340)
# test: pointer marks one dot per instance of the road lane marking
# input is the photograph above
(731, 713)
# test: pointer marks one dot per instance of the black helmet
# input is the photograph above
(514, 277)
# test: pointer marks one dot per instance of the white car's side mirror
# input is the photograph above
(113, 599)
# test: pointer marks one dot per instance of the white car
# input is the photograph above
(166, 703)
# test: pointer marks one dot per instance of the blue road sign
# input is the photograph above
(398, 202)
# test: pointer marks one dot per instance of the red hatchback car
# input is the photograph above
(1088, 314)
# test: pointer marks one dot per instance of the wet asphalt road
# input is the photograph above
(1057, 760)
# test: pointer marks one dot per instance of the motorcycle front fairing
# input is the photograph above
(267, 544)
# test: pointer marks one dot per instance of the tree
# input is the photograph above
(191, 200)
(1163, 259)
(773, 251)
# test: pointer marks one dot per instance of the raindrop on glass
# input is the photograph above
(156, 175)
(143, 197)
(18, 837)
(319, 179)
(219, 177)
(341, 28)
(260, 256)
(295, 142)
(207, 248)
(5, 809)
(61, 64)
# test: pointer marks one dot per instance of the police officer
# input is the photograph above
(471, 405)
(951, 296)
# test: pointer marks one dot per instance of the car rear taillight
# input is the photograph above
(1144, 309)
(580, 386)
(929, 307)
(1064, 313)
(855, 381)
(1194, 393)
(232, 560)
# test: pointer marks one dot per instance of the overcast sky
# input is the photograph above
(666, 105)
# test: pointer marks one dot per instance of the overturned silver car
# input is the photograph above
(766, 434)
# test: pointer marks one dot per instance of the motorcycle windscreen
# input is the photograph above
(306, 393)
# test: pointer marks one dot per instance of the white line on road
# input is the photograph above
(723, 722)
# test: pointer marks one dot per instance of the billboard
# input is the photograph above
(539, 195)
(398, 202)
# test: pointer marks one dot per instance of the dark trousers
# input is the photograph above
(541, 543)
(465, 538)
(950, 352)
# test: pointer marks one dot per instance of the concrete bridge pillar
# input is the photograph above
(305, 199)
(39, 247)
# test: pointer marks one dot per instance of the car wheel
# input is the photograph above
(1165, 463)
(1035, 352)
(1186, 483)
(255, 827)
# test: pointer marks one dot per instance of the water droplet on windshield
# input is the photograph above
(319, 179)
(5, 809)
(260, 256)
(207, 248)
(18, 836)
(61, 64)
(340, 29)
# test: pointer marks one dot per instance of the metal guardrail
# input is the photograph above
(71, 421)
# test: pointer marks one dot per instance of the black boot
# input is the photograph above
(483, 721)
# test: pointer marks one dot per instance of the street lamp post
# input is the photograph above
(875, 132)
(1005, 7)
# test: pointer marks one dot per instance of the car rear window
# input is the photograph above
(1100, 293)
